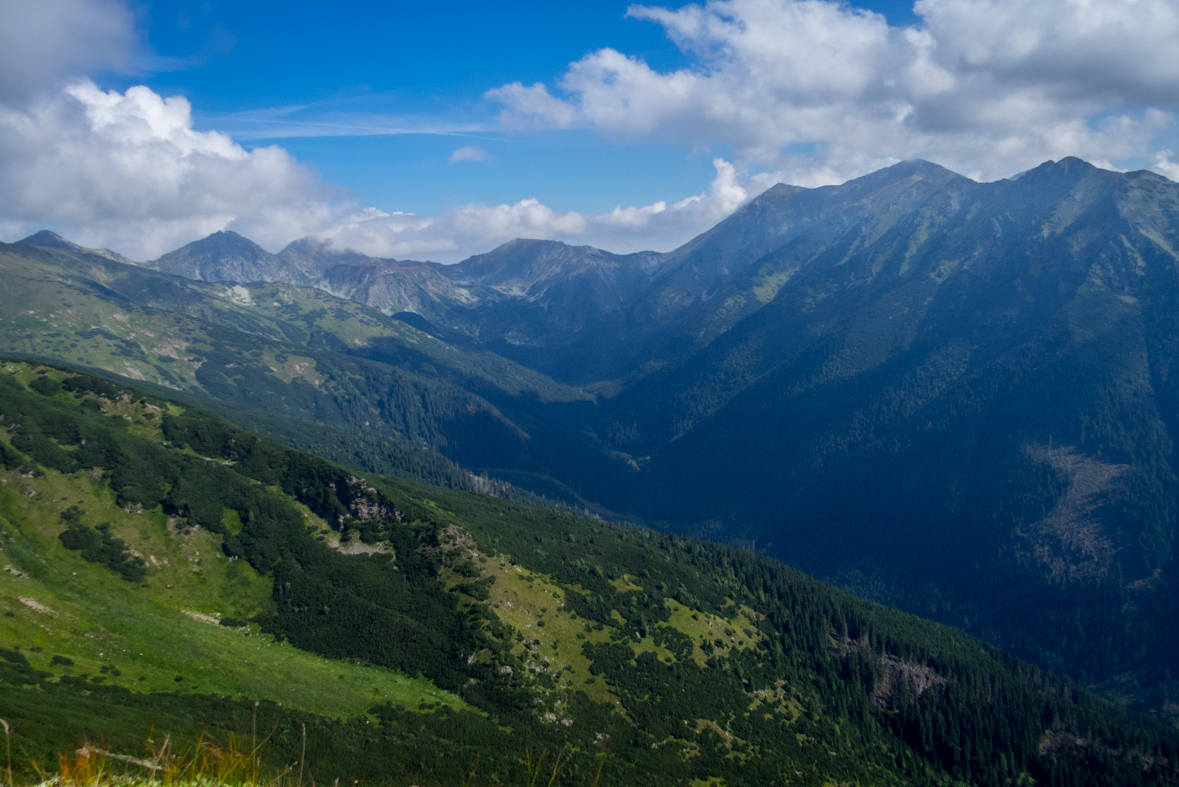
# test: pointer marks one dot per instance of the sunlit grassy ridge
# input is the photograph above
(69, 307)
(534, 604)
(145, 636)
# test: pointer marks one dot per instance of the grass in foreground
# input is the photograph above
(236, 762)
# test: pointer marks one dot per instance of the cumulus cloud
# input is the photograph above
(47, 43)
(125, 170)
(128, 169)
(1166, 165)
(983, 86)
(470, 229)
(469, 153)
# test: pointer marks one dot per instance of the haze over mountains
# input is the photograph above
(954, 397)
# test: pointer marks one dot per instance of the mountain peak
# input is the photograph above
(529, 243)
(915, 168)
(223, 239)
(1068, 164)
(222, 256)
(1064, 173)
(778, 191)
(1073, 161)
(527, 250)
(315, 256)
(48, 239)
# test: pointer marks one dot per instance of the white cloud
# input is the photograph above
(1166, 165)
(470, 229)
(982, 86)
(469, 153)
(128, 170)
(47, 43)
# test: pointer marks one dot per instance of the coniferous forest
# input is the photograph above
(674, 659)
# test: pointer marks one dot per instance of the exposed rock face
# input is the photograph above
(368, 504)
(227, 256)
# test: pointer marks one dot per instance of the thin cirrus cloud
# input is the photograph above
(826, 90)
(333, 118)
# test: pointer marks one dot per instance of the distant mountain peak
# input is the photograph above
(917, 168)
(778, 191)
(306, 245)
(48, 239)
(530, 243)
(1063, 173)
(316, 256)
(222, 239)
(1070, 164)
(223, 256)
(1072, 161)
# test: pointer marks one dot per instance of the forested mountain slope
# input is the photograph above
(955, 397)
(170, 573)
(974, 396)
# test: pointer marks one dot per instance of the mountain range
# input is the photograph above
(952, 397)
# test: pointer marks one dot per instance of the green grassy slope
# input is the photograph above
(131, 304)
(166, 626)
(531, 629)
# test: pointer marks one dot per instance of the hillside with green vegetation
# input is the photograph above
(952, 397)
(971, 387)
(167, 572)
(329, 374)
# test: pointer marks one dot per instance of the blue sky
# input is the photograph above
(413, 130)
(428, 64)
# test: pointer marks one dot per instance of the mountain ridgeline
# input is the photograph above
(168, 572)
(953, 397)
